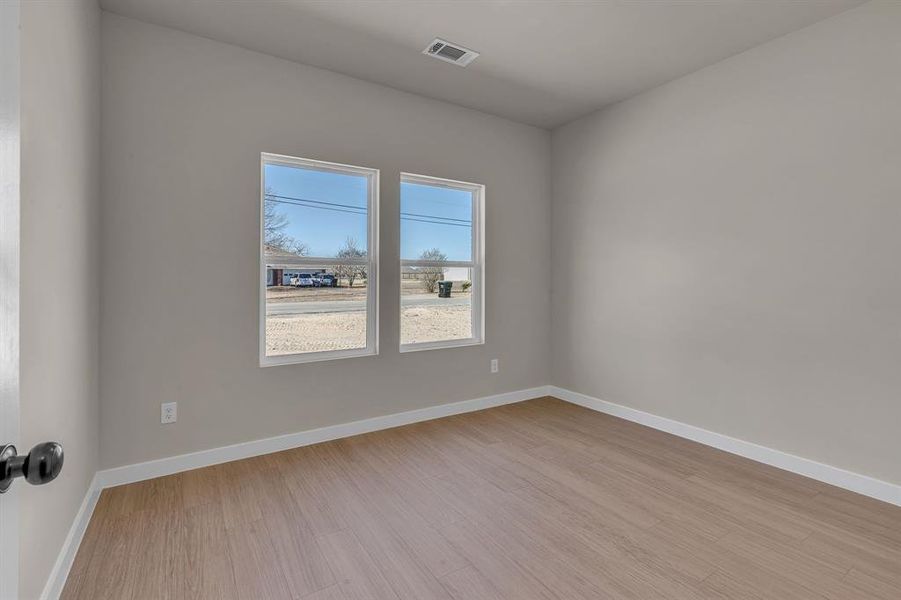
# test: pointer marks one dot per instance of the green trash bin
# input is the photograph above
(444, 289)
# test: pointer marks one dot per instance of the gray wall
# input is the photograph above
(184, 122)
(726, 246)
(59, 267)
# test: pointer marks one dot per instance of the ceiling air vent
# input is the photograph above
(450, 52)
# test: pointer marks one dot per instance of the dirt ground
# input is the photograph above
(291, 334)
(321, 331)
(435, 323)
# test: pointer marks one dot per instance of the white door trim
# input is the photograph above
(9, 283)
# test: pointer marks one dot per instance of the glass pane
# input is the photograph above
(427, 314)
(315, 213)
(315, 309)
(435, 222)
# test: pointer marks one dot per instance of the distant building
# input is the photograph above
(450, 273)
(280, 273)
(456, 274)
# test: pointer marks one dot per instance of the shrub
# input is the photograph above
(432, 275)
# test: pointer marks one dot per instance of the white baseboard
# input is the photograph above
(204, 458)
(855, 482)
(868, 486)
(60, 571)
(176, 464)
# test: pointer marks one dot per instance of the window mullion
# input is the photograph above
(450, 263)
(312, 261)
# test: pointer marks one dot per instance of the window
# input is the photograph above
(442, 263)
(319, 245)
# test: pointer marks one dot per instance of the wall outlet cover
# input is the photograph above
(168, 412)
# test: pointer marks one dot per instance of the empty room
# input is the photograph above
(450, 299)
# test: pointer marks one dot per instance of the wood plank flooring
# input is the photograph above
(540, 500)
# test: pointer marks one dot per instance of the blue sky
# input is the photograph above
(325, 208)
(322, 227)
(450, 214)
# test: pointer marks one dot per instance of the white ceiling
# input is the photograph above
(543, 62)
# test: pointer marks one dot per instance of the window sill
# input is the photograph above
(421, 346)
(296, 359)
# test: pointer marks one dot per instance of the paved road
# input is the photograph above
(338, 306)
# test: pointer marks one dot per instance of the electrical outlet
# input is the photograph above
(168, 412)
(495, 366)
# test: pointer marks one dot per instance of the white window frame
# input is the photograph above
(370, 261)
(477, 264)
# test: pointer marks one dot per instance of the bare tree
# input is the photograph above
(350, 271)
(431, 275)
(274, 224)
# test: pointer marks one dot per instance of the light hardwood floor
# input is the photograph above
(537, 500)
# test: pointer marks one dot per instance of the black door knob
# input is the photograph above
(38, 467)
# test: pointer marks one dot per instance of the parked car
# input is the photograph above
(317, 279)
(302, 280)
(328, 280)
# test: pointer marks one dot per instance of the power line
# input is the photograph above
(358, 210)
(409, 214)
(363, 208)
(353, 212)
(435, 222)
